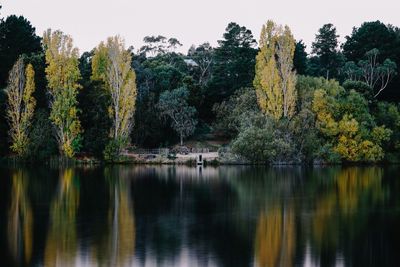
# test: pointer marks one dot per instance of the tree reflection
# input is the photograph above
(120, 240)
(340, 207)
(61, 245)
(275, 237)
(20, 220)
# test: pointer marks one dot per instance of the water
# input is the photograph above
(183, 216)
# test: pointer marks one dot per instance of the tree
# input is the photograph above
(62, 74)
(376, 35)
(370, 35)
(263, 139)
(159, 45)
(111, 64)
(325, 47)
(377, 76)
(203, 56)
(300, 60)
(275, 79)
(232, 112)
(233, 64)
(17, 37)
(93, 102)
(21, 105)
(350, 132)
(173, 104)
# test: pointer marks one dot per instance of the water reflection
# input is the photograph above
(275, 237)
(181, 216)
(120, 240)
(62, 241)
(20, 220)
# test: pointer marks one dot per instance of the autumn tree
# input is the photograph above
(62, 74)
(111, 64)
(346, 123)
(275, 79)
(173, 105)
(20, 105)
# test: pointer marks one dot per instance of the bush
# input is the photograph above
(113, 149)
(263, 140)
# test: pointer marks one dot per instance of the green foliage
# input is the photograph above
(322, 121)
(265, 140)
(255, 144)
(360, 87)
(17, 37)
(42, 145)
(375, 35)
(300, 60)
(233, 65)
(325, 47)
(347, 127)
(376, 75)
(173, 105)
(230, 113)
(112, 151)
(94, 102)
(389, 115)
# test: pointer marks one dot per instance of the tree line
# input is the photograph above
(271, 99)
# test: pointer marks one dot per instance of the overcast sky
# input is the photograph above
(193, 22)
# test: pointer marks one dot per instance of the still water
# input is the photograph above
(186, 216)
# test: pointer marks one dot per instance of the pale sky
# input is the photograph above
(194, 22)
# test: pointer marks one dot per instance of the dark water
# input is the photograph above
(182, 216)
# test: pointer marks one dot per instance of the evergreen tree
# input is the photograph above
(300, 60)
(17, 37)
(325, 47)
(233, 64)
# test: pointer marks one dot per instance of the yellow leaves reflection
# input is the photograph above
(352, 189)
(121, 239)
(62, 237)
(20, 219)
(276, 237)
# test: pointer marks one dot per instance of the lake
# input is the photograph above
(188, 216)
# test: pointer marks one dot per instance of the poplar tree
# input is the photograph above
(62, 74)
(275, 79)
(111, 64)
(20, 105)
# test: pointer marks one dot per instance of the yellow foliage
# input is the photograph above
(111, 64)
(20, 105)
(274, 79)
(62, 73)
(348, 141)
(348, 126)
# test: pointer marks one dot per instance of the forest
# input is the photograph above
(266, 100)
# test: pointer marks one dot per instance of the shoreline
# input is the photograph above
(181, 161)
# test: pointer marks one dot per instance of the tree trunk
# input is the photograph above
(181, 139)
